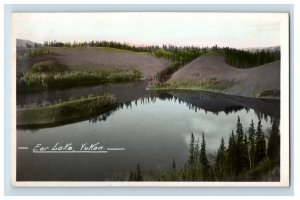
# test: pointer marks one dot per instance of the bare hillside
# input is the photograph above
(93, 58)
(245, 82)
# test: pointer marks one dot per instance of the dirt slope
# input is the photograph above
(246, 82)
(91, 58)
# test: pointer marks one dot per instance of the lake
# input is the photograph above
(149, 128)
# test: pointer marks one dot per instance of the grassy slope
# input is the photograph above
(95, 58)
(210, 72)
(64, 112)
(46, 80)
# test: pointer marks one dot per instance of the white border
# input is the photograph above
(284, 153)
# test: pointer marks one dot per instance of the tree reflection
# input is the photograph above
(209, 103)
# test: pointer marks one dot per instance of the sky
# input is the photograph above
(239, 30)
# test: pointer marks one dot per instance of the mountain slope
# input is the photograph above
(93, 58)
(23, 43)
(243, 82)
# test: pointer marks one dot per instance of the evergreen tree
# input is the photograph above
(241, 148)
(204, 164)
(192, 149)
(192, 165)
(273, 151)
(232, 155)
(196, 151)
(239, 132)
(246, 152)
(139, 176)
(173, 165)
(260, 150)
(184, 173)
(220, 163)
(251, 139)
(131, 176)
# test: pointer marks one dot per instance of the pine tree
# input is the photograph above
(173, 165)
(246, 152)
(184, 173)
(251, 139)
(139, 176)
(221, 161)
(204, 164)
(131, 176)
(239, 132)
(241, 148)
(192, 150)
(232, 155)
(273, 151)
(192, 165)
(260, 150)
(196, 151)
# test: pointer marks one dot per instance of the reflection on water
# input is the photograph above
(209, 102)
(124, 92)
(152, 127)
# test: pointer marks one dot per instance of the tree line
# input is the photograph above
(110, 44)
(247, 157)
(247, 59)
(181, 55)
(178, 55)
(246, 152)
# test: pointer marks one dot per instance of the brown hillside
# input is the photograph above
(246, 82)
(92, 58)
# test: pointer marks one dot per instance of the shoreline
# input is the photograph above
(64, 113)
(211, 91)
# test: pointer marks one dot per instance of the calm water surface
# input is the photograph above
(151, 128)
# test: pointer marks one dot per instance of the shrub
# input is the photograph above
(48, 66)
(43, 80)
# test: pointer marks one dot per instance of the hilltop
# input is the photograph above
(211, 72)
(95, 58)
(250, 73)
(20, 43)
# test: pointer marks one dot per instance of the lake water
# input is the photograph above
(147, 128)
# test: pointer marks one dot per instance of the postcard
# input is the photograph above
(189, 99)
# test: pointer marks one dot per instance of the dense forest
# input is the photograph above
(247, 59)
(178, 55)
(249, 156)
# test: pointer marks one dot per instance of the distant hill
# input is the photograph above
(244, 82)
(24, 43)
(95, 58)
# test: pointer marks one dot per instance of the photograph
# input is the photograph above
(150, 99)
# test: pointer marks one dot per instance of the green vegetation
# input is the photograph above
(247, 157)
(247, 59)
(210, 84)
(110, 44)
(48, 66)
(137, 175)
(41, 77)
(269, 93)
(182, 55)
(178, 55)
(65, 112)
(32, 53)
